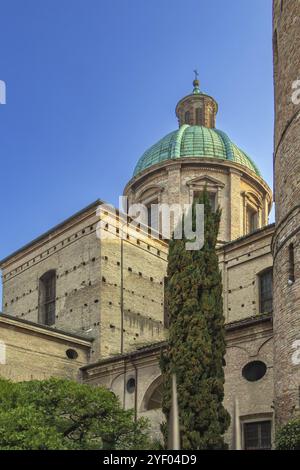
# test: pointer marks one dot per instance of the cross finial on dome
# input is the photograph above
(196, 83)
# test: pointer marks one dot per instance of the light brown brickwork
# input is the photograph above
(241, 263)
(246, 341)
(286, 43)
(31, 352)
(235, 187)
(113, 294)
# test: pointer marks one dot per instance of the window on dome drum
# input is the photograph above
(266, 291)
(251, 220)
(47, 292)
(211, 196)
(155, 401)
(187, 117)
(152, 213)
(199, 116)
(257, 435)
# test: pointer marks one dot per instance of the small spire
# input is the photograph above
(196, 83)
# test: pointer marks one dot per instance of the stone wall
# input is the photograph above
(234, 186)
(247, 341)
(113, 289)
(115, 295)
(241, 263)
(286, 44)
(31, 352)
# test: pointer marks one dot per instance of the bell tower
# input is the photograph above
(286, 241)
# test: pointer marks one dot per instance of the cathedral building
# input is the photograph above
(82, 304)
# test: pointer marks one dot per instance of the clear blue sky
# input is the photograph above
(92, 83)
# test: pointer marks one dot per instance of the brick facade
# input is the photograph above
(286, 44)
(235, 188)
(30, 351)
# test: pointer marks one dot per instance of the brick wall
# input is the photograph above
(31, 352)
(286, 43)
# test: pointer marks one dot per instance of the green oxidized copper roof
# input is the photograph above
(194, 141)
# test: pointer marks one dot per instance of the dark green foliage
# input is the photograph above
(288, 437)
(61, 414)
(196, 339)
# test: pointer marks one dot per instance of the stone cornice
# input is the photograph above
(263, 232)
(209, 164)
(148, 355)
(51, 234)
(43, 330)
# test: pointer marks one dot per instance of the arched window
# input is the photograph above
(199, 116)
(187, 117)
(266, 291)
(155, 400)
(47, 293)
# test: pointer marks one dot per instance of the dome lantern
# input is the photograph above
(197, 109)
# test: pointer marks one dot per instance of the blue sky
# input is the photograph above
(91, 84)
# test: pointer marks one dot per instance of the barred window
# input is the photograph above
(47, 292)
(257, 435)
(266, 291)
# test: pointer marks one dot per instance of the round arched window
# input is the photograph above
(254, 371)
(71, 354)
(130, 385)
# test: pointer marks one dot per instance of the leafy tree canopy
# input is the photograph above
(59, 414)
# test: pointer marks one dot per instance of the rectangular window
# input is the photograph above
(153, 213)
(50, 300)
(257, 436)
(251, 220)
(266, 291)
(211, 197)
(47, 297)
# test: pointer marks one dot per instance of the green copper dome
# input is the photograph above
(194, 141)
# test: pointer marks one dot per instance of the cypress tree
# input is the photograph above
(196, 346)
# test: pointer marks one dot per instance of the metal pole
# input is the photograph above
(174, 432)
(237, 426)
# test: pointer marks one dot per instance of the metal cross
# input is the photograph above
(196, 74)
